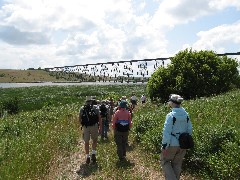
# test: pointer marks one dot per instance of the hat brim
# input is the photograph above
(175, 102)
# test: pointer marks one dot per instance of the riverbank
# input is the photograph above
(30, 84)
(26, 76)
(42, 76)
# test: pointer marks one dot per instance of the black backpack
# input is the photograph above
(186, 141)
(89, 116)
(122, 128)
(103, 110)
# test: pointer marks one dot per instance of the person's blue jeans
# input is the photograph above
(105, 127)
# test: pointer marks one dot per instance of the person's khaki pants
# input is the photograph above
(172, 162)
(90, 132)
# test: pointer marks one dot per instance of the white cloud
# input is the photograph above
(173, 12)
(43, 33)
(219, 37)
(33, 56)
(221, 4)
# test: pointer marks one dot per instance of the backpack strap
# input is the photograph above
(174, 120)
(84, 110)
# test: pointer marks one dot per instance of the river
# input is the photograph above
(16, 85)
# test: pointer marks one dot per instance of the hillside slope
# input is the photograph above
(17, 76)
(30, 76)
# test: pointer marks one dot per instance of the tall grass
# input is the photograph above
(29, 141)
(47, 125)
(33, 98)
(216, 131)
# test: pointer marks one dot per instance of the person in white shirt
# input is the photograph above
(133, 100)
(143, 99)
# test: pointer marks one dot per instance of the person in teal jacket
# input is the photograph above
(177, 122)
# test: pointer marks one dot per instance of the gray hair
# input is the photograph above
(177, 99)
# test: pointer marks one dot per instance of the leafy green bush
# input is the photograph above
(194, 74)
(226, 163)
(11, 106)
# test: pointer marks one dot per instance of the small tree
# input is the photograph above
(193, 74)
(11, 106)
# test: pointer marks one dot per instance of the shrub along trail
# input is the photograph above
(139, 165)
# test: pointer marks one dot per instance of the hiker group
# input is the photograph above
(96, 116)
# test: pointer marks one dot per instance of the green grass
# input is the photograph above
(216, 131)
(47, 126)
(32, 98)
(29, 141)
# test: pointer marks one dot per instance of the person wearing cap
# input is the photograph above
(121, 124)
(124, 98)
(177, 121)
(133, 100)
(92, 128)
(94, 100)
(111, 108)
(143, 99)
(117, 107)
(104, 112)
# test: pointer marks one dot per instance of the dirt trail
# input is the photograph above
(73, 167)
(66, 167)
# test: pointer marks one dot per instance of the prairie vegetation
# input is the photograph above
(45, 127)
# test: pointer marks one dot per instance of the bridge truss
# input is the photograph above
(120, 71)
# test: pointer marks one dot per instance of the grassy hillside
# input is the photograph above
(216, 132)
(45, 136)
(27, 76)
(17, 76)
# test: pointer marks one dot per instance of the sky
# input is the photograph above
(55, 33)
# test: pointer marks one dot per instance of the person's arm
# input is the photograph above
(99, 121)
(167, 130)
(130, 120)
(108, 114)
(80, 115)
(114, 119)
(97, 110)
(189, 126)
